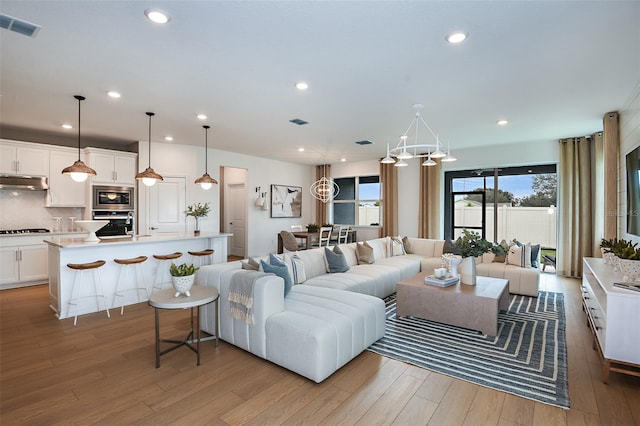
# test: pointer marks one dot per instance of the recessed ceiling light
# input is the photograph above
(302, 85)
(502, 122)
(67, 126)
(202, 117)
(113, 94)
(456, 37)
(168, 138)
(301, 149)
(343, 159)
(157, 16)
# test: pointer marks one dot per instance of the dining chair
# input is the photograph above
(343, 234)
(324, 236)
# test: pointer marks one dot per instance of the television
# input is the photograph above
(633, 192)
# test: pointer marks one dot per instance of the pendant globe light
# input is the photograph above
(79, 171)
(324, 189)
(206, 181)
(149, 177)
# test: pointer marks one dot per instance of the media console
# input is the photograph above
(613, 314)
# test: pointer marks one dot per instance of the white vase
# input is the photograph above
(468, 271)
(630, 269)
(182, 285)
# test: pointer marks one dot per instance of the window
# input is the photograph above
(358, 202)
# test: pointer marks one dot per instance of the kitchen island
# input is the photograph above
(62, 251)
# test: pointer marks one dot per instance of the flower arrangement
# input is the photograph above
(198, 210)
(471, 244)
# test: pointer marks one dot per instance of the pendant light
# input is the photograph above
(149, 176)
(79, 171)
(205, 180)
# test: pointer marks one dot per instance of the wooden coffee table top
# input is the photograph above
(488, 287)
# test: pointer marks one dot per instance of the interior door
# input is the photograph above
(236, 217)
(167, 203)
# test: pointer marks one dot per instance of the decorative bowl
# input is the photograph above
(91, 226)
(630, 269)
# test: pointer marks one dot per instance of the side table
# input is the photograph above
(199, 296)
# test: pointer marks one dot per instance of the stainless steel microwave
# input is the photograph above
(113, 197)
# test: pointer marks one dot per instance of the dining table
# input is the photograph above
(311, 237)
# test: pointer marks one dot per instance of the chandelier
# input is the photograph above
(406, 150)
(324, 189)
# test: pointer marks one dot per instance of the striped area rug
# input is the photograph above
(528, 358)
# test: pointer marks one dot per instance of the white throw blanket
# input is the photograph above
(241, 295)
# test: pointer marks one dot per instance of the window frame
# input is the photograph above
(357, 200)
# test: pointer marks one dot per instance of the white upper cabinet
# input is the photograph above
(112, 167)
(64, 191)
(20, 159)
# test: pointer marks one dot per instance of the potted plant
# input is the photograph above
(197, 210)
(182, 278)
(605, 249)
(313, 227)
(628, 258)
(470, 245)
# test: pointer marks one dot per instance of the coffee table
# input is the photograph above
(475, 307)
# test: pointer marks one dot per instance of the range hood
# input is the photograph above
(32, 183)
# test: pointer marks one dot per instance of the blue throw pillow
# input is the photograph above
(535, 249)
(280, 271)
(275, 260)
(336, 261)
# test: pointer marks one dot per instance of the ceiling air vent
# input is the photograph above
(298, 121)
(22, 27)
(364, 142)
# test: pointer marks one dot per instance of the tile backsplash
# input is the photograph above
(26, 209)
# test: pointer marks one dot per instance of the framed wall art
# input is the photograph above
(286, 201)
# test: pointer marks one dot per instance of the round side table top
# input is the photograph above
(199, 296)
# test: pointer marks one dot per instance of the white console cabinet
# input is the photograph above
(112, 167)
(613, 314)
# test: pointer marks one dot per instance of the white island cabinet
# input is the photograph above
(75, 250)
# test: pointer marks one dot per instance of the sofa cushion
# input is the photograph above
(519, 255)
(349, 251)
(336, 260)
(280, 270)
(296, 268)
(407, 245)
(365, 253)
(250, 264)
(314, 262)
(380, 247)
(396, 247)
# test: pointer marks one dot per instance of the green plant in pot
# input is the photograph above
(197, 210)
(182, 278)
(313, 227)
(629, 259)
(469, 246)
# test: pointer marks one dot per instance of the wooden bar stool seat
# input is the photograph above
(201, 256)
(79, 269)
(139, 282)
(163, 269)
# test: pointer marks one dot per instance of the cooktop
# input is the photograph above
(24, 231)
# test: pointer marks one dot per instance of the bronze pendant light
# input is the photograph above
(205, 180)
(149, 177)
(79, 171)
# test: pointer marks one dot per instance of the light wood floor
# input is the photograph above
(103, 371)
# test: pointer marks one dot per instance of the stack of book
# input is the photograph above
(440, 282)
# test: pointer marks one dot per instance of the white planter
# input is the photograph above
(467, 271)
(182, 285)
(630, 269)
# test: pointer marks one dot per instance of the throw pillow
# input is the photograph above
(296, 268)
(337, 262)
(535, 250)
(250, 264)
(365, 253)
(520, 256)
(448, 247)
(397, 247)
(276, 260)
(407, 245)
(280, 271)
(500, 259)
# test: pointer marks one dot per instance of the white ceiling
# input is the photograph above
(552, 68)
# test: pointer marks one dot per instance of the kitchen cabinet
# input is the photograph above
(23, 264)
(64, 191)
(112, 167)
(23, 159)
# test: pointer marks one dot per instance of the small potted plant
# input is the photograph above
(182, 278)
(313, 227)
(197, 210)
(470, 245)
(628, 258)
(605, 249)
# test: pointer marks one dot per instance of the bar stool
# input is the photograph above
(201, 256)
(163, 268)
(79, 269)
(139, 281)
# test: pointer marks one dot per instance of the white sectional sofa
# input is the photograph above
(330, 318)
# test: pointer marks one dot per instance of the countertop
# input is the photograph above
(140, 239)
(42, 234)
